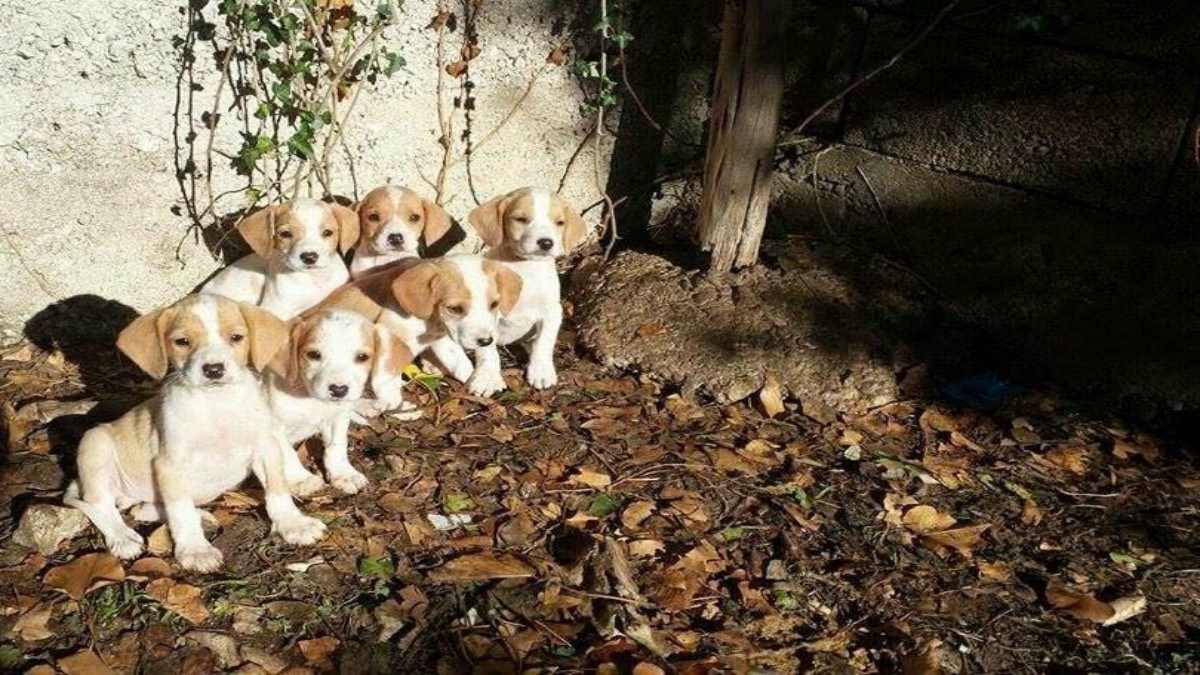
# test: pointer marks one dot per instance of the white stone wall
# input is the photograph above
(87, 110)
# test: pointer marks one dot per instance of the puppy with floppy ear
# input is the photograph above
(315, 385)
(394, 221)
(297, 258)
(201, 436)
(446, 305)
(527, 230)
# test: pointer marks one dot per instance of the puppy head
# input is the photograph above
(531, 223)
(393, 219)
(464, 294)
(207, 339)
(304, 234)
(334, 354)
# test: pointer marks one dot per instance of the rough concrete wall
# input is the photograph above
(87, 106)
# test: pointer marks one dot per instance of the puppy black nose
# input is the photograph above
(213, 371)
(395, 240)
(339, 390)
(483, 342)
(309, 258)
(545, 244)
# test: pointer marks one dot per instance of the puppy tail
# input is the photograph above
(73, 498)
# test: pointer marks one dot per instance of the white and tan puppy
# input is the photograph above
(296, 261)
(393, 221)
(527, 230)
(313, 387)
(446, 305)
(202, 435)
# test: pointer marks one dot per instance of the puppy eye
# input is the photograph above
(313, 355)
(414, 218)
(455, 309)
(327, 233)
(182, 341)
(285, 234)
(522, 220)
(373, 217)
(560, 223)
(495, 304)
(236, 338)
(362, 357)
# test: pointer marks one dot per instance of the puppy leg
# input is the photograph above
(301, 482)
(286, 519)
(93, 494)
(541, 373)
(341, 474)
(486, 379)
(452, 359)
(192, 550)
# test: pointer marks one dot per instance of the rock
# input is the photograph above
(724, 336)
(44, 527)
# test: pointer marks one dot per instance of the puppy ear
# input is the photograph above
(508, 284)
(143, 342)
(437, 222)
(268, 334)
(488, 221)
(414, 292)
(286, 362)
(574, 230)
(391, 356)
(347, 222)
(258, 229)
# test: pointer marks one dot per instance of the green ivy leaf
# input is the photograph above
(374, 567)
(457, 502)
(605, 504)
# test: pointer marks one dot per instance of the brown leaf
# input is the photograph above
(924, 519)
(85, 574)
(933, 420)
(558, 56)
(926, 660)
(486, 565)
(440, 20)
(149, 568)
(83, 662)
(1126, 608)
(456, 69)
(318, 652)
(770, 397)
(591, 478)
(1000, 572)
(645, 668)
(637, 512)
(650, 329)
(470, 51)
(1073, 458)
(962, 539)
(159, 542)
(32, 625)
(1031, 513)
(1079, 605)
(729, 461)
(645, 548)
(184, 600)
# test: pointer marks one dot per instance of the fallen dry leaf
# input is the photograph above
(770, 397)
(85, 574)
(591, 478)
(83, 662)
(1126, 608)
(1001, 572)
(32, 625)
(184, 600)
(149, 568)
(159, 542)
(318, 652)
(1079, 605)
(645, 548)
(636, 513)
(924, 519)
(962, 539)
(486, 565)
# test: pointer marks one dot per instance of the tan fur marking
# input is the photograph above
(268, 334)
(345, 221)
(506, 283)
(488, 220)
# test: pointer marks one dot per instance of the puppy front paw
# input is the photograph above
(306, 485)
(126, 545)
(484, 383)
(199, 558)
(301, 530)
(541, 374)
(348, 480)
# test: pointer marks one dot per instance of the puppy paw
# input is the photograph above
(407, 412)
(301, 530)
(541, 374)
(485, 384)
(200, 558)
(126, 545)
(306, 485)
(349, 481)
(370, 407)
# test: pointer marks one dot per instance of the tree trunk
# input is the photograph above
(742, 132)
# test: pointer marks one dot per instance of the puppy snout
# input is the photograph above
(484, 341)
(395, 240)
(309, 257)
(545, 243)
(213, 371)
(339, 390)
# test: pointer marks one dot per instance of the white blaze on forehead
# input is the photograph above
(541, 203)
(474, 278)
(395, 194)
(342, 330)
(311, 213)
(206, 311)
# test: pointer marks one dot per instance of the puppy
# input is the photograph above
(202, 435)
(527, 230)
(446, 305)
(313, 386)
(296, 261)
(393, 220)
